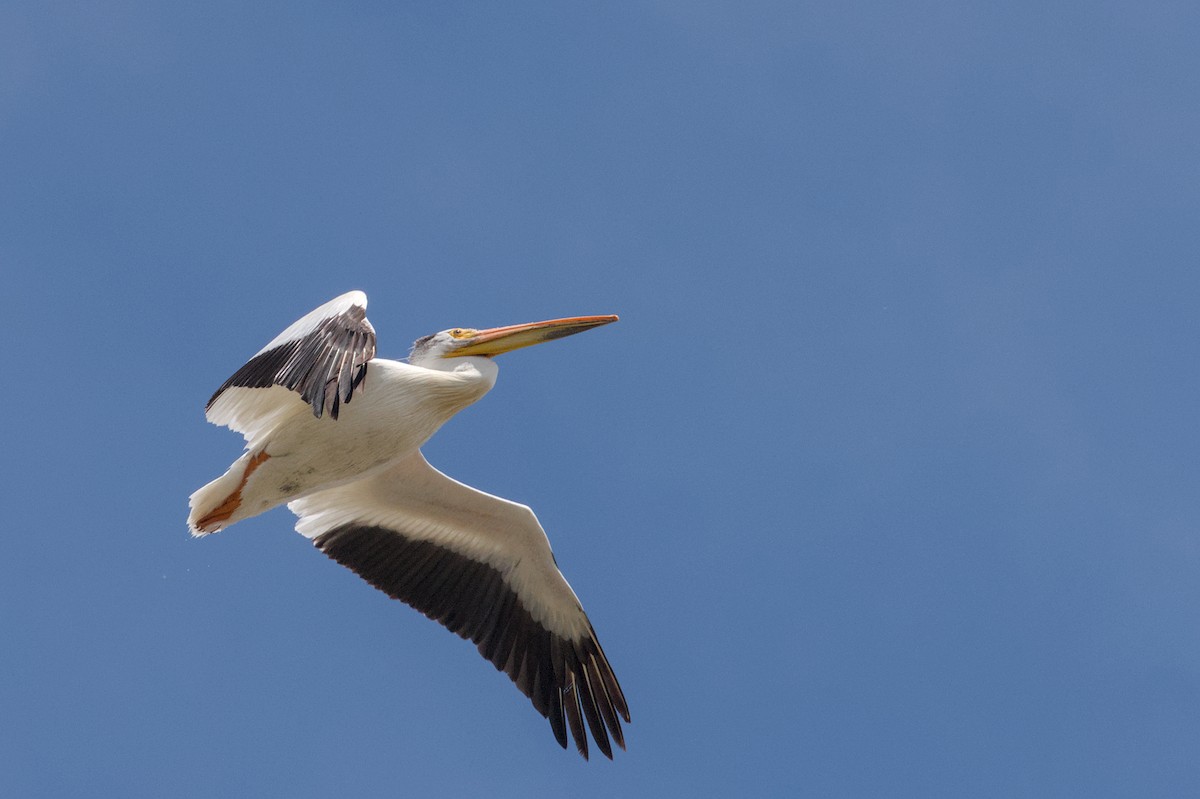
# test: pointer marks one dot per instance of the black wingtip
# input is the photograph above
(568, 681)
(575, 718)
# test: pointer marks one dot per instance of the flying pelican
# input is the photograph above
(366, 497)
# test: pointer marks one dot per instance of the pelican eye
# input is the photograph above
(462, 332)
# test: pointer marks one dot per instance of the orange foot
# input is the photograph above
(232, 502)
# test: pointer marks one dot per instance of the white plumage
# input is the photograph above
(336, 434)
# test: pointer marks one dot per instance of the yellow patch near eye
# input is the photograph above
(463, 332)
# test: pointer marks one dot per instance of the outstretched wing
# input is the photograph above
(322, 357)
(482, 567)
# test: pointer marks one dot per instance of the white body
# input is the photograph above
(399, 408)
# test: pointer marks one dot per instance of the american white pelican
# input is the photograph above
(366, 497)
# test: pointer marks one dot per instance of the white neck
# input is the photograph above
(478, 374)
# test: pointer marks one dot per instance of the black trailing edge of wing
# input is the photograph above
(568, 681)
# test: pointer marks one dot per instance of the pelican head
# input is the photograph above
(462, 341)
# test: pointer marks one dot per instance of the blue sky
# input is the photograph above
(885, 483)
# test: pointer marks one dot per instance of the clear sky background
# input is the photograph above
(885, 483)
